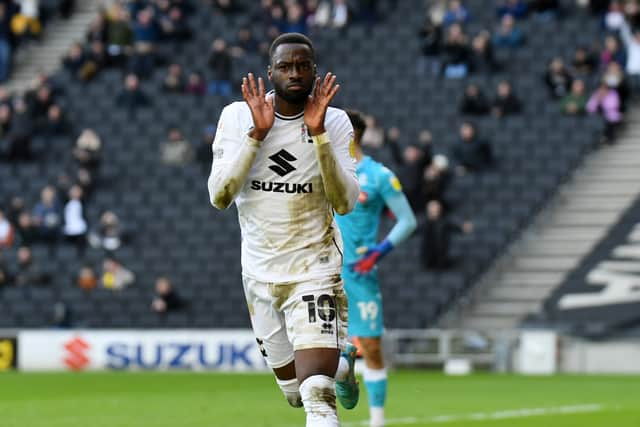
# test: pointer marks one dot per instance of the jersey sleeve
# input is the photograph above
(342, 138)
(391, 192)
(233, 155)
(228, 137)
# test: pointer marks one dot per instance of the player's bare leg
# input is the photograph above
(288, 383)
(375, 378)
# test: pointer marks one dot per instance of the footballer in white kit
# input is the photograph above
(289, 236)
(284, 158)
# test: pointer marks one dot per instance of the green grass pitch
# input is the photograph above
(416, 398)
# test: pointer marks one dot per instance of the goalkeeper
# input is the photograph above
(379, 189)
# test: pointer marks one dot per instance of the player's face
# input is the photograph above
(292, 72)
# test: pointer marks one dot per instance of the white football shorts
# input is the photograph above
(296, 315)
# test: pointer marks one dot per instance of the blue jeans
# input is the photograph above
(220, 87)
(455, 71)
(5, 59)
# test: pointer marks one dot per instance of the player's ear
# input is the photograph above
(269, 72)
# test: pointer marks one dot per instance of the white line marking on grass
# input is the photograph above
(483, 416)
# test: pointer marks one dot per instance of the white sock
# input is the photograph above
(343, 369)
(319, 399)
(291, 390)
(376, 417)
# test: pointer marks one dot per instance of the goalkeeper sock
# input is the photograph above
(291, 391)
(376, 382)
(319, 399)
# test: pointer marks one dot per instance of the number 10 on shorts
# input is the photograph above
(324, 306)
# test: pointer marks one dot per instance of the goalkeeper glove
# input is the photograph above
(371, 256)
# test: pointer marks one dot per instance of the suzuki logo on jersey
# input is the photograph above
(282, 161)
(76, 358)
(282, 187)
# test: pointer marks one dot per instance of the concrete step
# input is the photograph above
(596, 205)
(621, 160)
(550, 263)
(603, 191)
(520, 293)
(544, 247)
(614, 178)
(580, 218)
(538, 278)
(567, 233)
(515, 309)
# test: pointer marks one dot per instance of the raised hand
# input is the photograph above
(318, 102)
(262, 109)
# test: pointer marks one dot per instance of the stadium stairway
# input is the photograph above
(46, 54)
(581, 213)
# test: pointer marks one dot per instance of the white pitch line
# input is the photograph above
(483, 416)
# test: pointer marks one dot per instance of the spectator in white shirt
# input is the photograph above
(340, 13)
(631, 41)
(75, 226)
(614, 18)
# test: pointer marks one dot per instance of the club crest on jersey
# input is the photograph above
(305, 137)
(363, 197)
(395, 183)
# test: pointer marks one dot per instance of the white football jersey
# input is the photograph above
(288, 230)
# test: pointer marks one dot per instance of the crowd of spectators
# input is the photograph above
(58, 217)
(599, 81)
(128, 35)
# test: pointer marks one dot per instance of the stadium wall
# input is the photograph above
(237, 351)
(136, 350)
(609, 357)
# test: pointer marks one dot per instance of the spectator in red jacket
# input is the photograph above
(195, 84)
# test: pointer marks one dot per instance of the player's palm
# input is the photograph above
(262, 109)
(318, 102)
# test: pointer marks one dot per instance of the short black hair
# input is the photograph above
(358, 123)
(293, 38)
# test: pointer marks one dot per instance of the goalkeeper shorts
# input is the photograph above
(365, 303)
